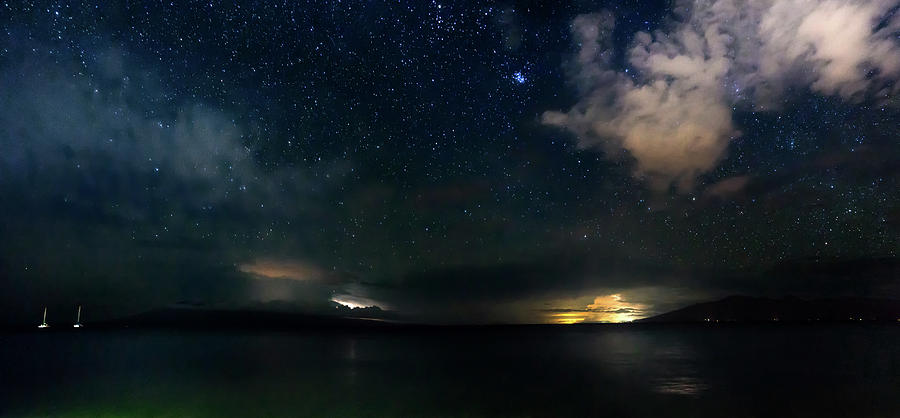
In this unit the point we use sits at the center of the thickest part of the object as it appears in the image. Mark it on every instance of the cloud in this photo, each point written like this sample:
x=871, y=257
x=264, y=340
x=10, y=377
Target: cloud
x=72, y=121
x=111, y=138
x=727, y=187
x=356, y=302
x=303, y=283
x=114, y=181
x=837, y=47
x=307, y=285
x=116, y=140
x=607, y=308
x=568, y=282
x=284, y=269
x=515, y=291
x=671, y=108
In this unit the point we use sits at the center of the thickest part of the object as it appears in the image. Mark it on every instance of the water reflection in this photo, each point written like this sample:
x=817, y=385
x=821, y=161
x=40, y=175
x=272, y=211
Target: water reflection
x=653, y=361
x=680, y=385
x=606, y=371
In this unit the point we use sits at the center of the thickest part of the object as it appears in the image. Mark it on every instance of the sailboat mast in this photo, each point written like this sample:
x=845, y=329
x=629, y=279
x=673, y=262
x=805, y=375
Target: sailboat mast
x=44, y=321
x=77, y=317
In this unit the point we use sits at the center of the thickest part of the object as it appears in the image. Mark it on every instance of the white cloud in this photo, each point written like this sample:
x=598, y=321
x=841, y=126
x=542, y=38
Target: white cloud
x=839, y=47
x=672, y=111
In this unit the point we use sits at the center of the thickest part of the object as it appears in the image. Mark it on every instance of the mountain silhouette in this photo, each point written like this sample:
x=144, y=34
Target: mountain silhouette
x=746, y=308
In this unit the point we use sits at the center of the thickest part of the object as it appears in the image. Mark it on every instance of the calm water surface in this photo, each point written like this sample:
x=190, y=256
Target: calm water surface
x=687, y=371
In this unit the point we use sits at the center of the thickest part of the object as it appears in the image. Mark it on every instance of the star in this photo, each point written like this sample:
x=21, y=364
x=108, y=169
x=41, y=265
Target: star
x=519, y=77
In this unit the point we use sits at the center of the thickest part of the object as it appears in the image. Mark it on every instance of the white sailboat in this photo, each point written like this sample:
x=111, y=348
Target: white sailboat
x=78, y=318
x=44, y=322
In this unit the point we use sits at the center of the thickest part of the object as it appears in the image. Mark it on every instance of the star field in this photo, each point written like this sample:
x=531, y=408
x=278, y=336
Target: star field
x=162, y=145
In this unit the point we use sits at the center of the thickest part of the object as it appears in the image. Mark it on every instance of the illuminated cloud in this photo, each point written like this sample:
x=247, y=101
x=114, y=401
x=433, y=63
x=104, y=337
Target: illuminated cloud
x=283, y=269
x=608, y=308
x=356, y=302
x=305, y=284
x=671, y=108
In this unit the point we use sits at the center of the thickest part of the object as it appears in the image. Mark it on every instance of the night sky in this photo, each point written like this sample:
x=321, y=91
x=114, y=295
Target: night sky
x=446, y=161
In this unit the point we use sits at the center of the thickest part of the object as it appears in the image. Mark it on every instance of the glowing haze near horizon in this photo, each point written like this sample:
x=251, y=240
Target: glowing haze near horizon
x=447, y=162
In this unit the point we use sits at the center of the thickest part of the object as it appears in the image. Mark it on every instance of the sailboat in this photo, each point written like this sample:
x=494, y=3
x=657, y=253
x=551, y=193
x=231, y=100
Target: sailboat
x=78, y=318
x=44, y=323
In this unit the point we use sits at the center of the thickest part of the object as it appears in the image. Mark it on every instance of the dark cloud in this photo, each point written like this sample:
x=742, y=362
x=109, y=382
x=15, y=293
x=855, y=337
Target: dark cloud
x=861, y=162
x=437, y=293
x=131, y=198
x=727, y=188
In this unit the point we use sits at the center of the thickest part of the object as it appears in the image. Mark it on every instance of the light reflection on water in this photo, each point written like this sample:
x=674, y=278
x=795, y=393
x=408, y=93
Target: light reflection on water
x=669, y=368
x=680, y=385
x=588, y=371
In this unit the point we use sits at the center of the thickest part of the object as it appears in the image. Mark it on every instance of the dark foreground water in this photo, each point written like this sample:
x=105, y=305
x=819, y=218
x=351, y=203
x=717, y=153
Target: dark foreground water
x=686, y=371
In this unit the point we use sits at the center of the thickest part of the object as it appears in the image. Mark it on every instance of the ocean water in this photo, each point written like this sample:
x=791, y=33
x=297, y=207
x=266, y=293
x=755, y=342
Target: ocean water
x=834, y=370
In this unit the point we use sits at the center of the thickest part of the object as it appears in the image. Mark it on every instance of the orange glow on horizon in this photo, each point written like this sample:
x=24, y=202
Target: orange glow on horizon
x=569, y=318
x=610, y=308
